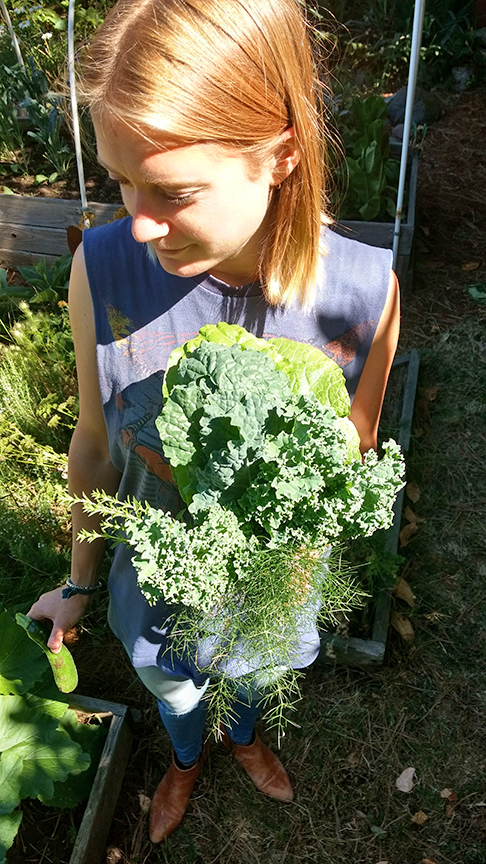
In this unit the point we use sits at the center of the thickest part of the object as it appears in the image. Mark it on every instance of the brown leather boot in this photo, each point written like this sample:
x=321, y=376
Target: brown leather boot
x=263, y=767
x=171, y=799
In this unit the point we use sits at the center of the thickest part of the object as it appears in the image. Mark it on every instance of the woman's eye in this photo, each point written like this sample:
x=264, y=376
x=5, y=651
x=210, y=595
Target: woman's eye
x=178, y=200
x=119, y=180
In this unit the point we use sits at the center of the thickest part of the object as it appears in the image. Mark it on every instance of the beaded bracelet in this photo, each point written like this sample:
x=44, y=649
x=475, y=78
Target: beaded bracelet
x=73, y=589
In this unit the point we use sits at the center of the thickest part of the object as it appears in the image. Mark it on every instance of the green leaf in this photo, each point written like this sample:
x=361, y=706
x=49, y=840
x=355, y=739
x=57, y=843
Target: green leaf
x=21, y=662
x=27, y=719
x=36, y=765
x=477, y=292
x=221, y=334
x=214, y=420
x=369, y=157
x=10, y=781
x=309, y=370
x=9, y=825
x=77, y=787
x=371, y=209
x=48, y=295
x=16, y=292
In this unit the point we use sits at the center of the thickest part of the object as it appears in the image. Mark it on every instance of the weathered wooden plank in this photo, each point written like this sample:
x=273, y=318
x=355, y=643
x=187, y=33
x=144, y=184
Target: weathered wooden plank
x=96, y=706
x=21, y=258
x=366, y=652
x=33, y=228
x=49, y=212
x=32, y=239
x=377, y=234
x=409, y=394
x=350, y=652
x=383, y=605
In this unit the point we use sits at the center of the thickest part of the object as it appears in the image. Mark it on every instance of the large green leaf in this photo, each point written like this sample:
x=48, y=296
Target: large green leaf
x=221, y=334
x=9, y=825
x=77, y=787
x=41, y=765
x=214, y=421
x=36, y=750
x=25, y=720
x=10, y=779
x=311, y=371
x=21, y=662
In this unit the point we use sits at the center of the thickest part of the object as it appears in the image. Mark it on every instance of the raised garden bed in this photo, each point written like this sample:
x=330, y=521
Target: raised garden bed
x=31, y=228
x=92, y=834
x=381, y=233
x=396, y=422
x=93, y=831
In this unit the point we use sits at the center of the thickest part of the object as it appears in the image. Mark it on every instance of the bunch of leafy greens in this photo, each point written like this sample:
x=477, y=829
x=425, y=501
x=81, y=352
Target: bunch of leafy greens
x=45, y=752
x=270, y=471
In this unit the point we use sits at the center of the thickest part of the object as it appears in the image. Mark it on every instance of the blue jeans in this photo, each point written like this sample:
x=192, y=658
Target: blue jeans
x=183, y=712
x=186, y=731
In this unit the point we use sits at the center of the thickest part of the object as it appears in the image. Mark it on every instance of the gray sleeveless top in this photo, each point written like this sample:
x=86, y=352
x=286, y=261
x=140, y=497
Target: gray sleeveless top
x=141, y=314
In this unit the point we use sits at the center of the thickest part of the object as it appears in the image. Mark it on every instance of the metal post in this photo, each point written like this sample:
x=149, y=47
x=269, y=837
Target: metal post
x=74, y=108
x=418, y=23
x=13, y=37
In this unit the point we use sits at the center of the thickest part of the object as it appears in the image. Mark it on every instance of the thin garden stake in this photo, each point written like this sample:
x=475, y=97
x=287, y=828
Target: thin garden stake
x=74, y=110
x=12, y=34
x=418, y=23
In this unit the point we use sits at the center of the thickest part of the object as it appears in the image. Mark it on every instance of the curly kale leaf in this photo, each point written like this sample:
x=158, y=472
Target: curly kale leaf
x=222, y=404
x=307, y=489
x=192, y=565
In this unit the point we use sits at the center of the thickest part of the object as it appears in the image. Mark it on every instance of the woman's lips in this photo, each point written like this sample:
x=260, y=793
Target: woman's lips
x=171, y=251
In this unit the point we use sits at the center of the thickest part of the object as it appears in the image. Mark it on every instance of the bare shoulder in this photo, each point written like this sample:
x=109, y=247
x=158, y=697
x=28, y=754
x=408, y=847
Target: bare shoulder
x=80, y=304
x=91, y=419
x=367, y=403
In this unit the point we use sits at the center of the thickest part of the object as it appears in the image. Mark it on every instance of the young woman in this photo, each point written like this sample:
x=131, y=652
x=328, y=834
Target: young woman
x=206, y=113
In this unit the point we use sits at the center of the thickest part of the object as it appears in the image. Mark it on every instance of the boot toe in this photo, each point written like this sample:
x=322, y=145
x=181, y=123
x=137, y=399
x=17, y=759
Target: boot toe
x=170, y=800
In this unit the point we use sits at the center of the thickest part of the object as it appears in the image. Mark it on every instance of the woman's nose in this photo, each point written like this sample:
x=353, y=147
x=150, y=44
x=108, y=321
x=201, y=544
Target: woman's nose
x=147, y=225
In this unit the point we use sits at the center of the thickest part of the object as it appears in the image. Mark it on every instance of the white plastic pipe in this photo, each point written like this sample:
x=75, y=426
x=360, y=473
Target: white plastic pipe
x=418, y=23
x=74, y=109
x=12, y=34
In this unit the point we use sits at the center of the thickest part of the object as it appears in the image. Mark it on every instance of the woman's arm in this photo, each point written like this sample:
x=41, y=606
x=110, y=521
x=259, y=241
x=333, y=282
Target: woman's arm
x=366, y=407
x=89, y=465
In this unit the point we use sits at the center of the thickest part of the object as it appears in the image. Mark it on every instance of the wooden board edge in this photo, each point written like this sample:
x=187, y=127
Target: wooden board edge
x=95, y=826
x=350, y=652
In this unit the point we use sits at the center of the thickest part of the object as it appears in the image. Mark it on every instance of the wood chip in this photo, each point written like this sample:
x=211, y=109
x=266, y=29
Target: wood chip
x=413, y=492
x=407, y=533
x=403, y=626
x=404, y=782
x=429, y=393
x=420, y=818
x=403, y=591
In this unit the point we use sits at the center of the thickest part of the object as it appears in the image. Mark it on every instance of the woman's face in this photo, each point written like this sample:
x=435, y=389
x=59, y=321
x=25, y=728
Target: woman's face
x=198, y=206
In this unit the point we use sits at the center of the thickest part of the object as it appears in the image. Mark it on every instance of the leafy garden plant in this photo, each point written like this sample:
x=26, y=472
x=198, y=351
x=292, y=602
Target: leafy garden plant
x=45, y=752
x=367, y=180
x=270, y=472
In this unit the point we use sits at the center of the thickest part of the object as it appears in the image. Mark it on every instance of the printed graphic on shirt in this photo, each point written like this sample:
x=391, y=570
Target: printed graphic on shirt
x=343, y=349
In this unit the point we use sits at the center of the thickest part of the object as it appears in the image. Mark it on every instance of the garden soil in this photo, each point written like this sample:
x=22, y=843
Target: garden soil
x=356, y=731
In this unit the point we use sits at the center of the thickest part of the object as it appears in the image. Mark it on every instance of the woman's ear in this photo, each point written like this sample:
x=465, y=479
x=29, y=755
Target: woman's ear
x=287, y=157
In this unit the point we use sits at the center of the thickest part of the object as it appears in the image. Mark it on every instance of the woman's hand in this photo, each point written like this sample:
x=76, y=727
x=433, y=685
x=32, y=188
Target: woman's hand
x=64, y=614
